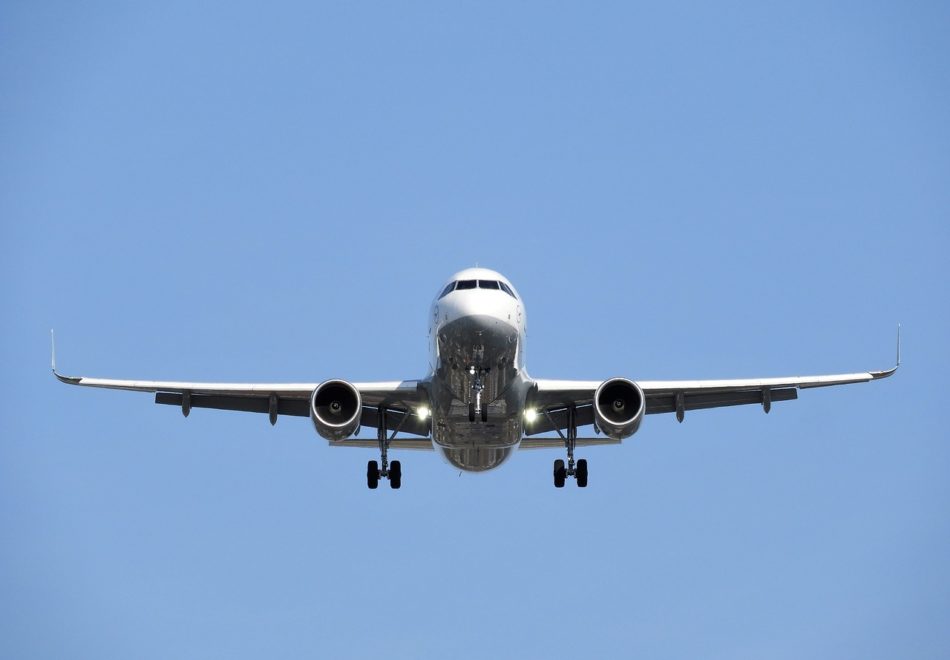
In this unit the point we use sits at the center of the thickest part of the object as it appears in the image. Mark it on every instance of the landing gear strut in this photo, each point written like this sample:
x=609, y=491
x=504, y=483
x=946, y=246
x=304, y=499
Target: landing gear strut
x=475, y=407
x=577, y=470
x=391, y=471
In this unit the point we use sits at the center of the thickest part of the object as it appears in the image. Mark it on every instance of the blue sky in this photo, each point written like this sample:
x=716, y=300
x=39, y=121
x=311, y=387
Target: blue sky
x=231, y=191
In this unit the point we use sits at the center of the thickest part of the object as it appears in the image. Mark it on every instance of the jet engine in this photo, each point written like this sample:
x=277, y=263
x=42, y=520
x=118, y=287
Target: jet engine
x=335, y=408
x=619, y=405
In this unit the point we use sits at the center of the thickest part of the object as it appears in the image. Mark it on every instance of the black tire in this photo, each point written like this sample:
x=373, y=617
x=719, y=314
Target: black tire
x=580, y=475
x=395, y=475
x=484, y=413
x=471, y=411
x=372, y=475
x=560, y=473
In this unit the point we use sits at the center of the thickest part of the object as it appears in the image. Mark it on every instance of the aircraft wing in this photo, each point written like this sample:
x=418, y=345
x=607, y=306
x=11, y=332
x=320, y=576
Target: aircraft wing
x=679, y=396
x=400, y=398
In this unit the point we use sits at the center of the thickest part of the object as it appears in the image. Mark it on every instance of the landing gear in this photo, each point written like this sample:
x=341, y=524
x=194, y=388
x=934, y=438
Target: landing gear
x=395, y=474
x=391, y=471
x=580, y=473
x=577, y=470
x=475, y=407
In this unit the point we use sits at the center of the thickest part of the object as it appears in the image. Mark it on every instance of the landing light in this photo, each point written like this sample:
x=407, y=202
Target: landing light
x=422, y=412
x=530, y=415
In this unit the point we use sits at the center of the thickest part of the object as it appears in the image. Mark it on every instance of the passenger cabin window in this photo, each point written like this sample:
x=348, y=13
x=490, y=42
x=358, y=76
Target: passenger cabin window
x=447, y=290
x=487, y=284
x=466, y=284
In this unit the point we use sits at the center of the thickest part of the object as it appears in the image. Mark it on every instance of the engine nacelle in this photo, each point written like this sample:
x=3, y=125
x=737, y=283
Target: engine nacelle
x=335, y=408
x=619, y=405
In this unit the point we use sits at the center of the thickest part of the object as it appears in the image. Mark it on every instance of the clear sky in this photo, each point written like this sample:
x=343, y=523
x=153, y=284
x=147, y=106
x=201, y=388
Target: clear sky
x=276, y=191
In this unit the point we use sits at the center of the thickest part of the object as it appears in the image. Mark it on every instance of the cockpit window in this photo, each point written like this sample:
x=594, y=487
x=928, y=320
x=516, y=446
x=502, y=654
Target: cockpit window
x=461, y=285
x=447, y=290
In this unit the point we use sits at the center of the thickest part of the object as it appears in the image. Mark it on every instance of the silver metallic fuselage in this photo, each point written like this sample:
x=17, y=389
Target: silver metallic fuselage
x=481, y=331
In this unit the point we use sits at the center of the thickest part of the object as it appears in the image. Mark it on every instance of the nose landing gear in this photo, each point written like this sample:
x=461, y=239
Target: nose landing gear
x=475, y=407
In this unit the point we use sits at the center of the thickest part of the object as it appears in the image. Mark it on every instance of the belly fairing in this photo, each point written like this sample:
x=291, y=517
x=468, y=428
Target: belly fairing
x=476, y=458
x=478, y=446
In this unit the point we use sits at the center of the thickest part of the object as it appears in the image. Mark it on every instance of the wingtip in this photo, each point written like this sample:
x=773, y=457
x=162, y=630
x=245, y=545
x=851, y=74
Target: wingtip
x=885, y=373
x=897, y=363
x=70, y=380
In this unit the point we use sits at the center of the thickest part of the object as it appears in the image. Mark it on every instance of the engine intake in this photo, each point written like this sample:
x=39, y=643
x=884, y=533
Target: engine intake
x=335, y=408
x=619, y=405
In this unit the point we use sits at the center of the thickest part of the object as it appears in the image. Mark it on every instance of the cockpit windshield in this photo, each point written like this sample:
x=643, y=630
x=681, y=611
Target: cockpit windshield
x=460, y=285
x=447, y=290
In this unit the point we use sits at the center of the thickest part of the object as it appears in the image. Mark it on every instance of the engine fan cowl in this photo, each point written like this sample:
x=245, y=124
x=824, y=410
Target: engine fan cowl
x=335, y=408
x=619, y=405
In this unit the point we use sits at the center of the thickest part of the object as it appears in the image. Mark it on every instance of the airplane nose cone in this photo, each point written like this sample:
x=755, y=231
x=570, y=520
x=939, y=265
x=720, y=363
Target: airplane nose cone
x=455, y=307
x=477, y=302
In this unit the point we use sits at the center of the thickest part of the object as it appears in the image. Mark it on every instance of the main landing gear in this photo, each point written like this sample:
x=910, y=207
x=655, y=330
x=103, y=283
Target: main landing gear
x=391, y=471
x=475, y=407
x=577, y=470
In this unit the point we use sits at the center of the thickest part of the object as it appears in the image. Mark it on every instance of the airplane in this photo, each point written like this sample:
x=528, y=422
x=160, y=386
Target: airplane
x=477, y=405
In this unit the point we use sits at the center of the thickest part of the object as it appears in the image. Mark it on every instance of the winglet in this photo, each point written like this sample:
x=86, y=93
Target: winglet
x=898, y=345
x=65, y=379
x=890, y=372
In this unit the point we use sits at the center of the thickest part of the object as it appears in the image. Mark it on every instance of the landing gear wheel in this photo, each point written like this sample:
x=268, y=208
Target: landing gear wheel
x=372, y=474
x=580, y=473
x=471, y=411
x=560, y=473
x=484, y=413
x=395, y=475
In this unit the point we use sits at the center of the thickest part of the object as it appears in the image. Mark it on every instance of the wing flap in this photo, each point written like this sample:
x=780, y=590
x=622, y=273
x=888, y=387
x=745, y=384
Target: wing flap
x=405, y=422
x=666, y=403
x=417, y=444
x=662, y=402
x=558, y=443
x=256, y=404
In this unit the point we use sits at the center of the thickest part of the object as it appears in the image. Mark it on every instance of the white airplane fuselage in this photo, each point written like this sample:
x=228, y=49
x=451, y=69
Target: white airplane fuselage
x=476, y=338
